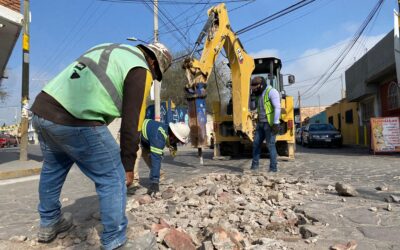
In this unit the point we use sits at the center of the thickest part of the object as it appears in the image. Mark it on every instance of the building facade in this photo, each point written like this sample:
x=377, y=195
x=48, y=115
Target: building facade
x=10, y=27
x=371, y=82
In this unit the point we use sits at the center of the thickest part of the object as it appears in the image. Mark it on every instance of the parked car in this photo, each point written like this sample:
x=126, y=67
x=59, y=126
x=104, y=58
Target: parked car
x=299, y=135
x=321, y=134
x=8, y=141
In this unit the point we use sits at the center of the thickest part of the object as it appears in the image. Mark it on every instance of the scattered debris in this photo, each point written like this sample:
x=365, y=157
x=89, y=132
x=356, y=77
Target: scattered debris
x=19, y=238
x=395, y=198
x=373, y=209
x=351, y=245
x=345, y=189
x=382, y=188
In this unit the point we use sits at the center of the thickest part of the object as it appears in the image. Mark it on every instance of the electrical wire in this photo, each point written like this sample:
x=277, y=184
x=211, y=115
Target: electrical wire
x=63, y=45
x=276, y=15
x=288, y=22
x=263, y=21
x=173, y=2
x=333, y=67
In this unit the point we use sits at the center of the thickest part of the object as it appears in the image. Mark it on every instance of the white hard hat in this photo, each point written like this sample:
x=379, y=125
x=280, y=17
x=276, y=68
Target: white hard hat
x=161, y=52
x=181, y=131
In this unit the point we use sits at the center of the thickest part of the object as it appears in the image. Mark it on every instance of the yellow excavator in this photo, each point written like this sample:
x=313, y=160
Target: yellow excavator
x=234, y=124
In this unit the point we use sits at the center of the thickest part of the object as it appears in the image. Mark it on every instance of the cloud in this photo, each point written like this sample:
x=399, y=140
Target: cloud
x=314, y=62
x=350, y=27
x=265, y=53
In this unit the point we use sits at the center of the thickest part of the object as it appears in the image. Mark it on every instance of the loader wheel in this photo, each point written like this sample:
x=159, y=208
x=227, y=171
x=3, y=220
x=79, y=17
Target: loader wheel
x=282, y=148
x=229, y=148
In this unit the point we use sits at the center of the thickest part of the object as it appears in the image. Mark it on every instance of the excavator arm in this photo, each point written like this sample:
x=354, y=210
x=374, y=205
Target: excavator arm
x=218, y=35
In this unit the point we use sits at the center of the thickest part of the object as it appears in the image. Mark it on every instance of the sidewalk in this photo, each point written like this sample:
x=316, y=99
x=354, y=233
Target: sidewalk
x=12, y=167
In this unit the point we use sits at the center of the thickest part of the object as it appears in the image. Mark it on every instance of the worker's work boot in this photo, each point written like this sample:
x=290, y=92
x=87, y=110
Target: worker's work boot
x=47, y=234
x=153, y=189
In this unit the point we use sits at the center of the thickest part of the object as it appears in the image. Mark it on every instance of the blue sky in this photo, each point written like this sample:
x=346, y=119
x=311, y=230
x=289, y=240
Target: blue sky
x=307, y=40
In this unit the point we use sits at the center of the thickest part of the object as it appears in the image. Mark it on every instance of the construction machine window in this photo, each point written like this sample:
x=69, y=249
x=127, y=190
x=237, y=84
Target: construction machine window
x=271, y=80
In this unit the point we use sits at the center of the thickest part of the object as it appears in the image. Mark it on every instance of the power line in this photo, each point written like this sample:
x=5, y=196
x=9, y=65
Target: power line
x=263, y=21
x=276, y=15
x=324, y=78
x=290, y=21
x=173, y=2
x=63, y=45
x=163, y=15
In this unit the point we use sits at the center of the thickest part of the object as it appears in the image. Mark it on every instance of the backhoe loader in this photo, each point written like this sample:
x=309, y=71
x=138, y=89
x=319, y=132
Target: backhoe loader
x=233, y=125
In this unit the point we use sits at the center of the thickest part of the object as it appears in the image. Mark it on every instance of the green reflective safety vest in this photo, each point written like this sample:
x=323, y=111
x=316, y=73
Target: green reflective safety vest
x=269, y=109
x=91, y=87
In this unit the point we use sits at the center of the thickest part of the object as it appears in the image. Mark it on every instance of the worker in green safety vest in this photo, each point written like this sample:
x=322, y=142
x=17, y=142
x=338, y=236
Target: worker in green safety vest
x=71, y=115
x=268, y=104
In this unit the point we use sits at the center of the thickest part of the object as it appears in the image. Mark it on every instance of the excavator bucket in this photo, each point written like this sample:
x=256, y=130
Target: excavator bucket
x=196, y=97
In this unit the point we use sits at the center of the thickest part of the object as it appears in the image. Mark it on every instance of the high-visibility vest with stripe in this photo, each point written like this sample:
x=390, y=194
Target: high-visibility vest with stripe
x=91, y=88
x=269, y=109
x=150, y=132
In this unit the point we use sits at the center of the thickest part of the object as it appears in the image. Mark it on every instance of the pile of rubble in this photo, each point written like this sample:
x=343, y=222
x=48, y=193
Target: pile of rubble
x=221, y=211
x=217, y=211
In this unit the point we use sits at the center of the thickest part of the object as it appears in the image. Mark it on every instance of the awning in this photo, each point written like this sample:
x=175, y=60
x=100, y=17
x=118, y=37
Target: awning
x=10, y=27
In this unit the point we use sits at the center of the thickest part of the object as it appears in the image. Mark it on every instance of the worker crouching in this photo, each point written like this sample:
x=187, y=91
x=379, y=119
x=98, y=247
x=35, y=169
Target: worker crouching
x=154, y=138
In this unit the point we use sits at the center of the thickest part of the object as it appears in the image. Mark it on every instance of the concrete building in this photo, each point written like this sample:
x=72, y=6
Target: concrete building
x=372, y=83
x=344, y=117
x=10, y=28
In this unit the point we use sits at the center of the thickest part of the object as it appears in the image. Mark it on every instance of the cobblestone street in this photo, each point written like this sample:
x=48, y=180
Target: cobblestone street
x=372, y=218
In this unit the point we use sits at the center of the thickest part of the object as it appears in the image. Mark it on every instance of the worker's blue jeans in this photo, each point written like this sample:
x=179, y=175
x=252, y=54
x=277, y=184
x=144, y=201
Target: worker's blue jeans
x=97, y=155
x=264, y=132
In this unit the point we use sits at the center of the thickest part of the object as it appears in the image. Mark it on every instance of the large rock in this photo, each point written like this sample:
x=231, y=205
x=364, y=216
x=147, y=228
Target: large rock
x=178, y=240
x=145, y=242
x=345, y=189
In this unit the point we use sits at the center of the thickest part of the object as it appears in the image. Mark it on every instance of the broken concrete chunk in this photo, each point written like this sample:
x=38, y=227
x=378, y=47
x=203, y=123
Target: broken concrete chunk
x=345, y=189
x=277, y=196
x=351, y=245
x=145, y=242
x=382, y=188
x=18, y=238
x=306, y=232
x=395, y=198
x=178, y=240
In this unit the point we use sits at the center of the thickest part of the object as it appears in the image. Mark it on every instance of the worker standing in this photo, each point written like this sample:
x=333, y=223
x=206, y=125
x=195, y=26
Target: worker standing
x=71, y=116
x=268, y=105
x=155, y=136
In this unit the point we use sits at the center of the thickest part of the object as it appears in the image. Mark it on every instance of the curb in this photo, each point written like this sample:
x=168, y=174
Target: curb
x=19, y=173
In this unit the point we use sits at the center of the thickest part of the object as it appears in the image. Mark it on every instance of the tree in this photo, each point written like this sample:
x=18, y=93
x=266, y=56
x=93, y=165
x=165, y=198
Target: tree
x=174, y=81
x=3, y=93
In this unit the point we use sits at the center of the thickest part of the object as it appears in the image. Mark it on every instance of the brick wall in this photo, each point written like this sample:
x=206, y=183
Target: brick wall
x=11, y=4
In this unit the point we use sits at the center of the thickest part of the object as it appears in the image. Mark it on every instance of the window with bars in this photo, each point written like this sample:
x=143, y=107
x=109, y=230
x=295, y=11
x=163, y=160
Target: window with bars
x=393, y=96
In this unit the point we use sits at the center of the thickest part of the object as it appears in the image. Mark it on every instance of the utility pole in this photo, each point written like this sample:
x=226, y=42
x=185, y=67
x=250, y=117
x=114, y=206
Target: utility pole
x=300, y=107
x=343, y=91
x=23, y=154
x=157, y=84
x=319, y=104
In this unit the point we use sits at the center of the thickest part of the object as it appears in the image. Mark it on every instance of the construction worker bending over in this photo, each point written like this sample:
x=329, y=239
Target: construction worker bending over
x=154, y=138
x=71, y=116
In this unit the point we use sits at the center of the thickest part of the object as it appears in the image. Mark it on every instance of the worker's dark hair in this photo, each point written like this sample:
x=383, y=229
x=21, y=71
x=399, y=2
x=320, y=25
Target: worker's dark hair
x=258, y=81
x=258, y=85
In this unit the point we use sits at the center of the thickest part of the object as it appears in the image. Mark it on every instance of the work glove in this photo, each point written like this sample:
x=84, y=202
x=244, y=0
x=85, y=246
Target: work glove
x=275, y=129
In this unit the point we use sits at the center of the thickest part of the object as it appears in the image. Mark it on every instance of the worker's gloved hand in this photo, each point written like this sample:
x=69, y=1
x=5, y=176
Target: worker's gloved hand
x=129, y=178
x=275, y=129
